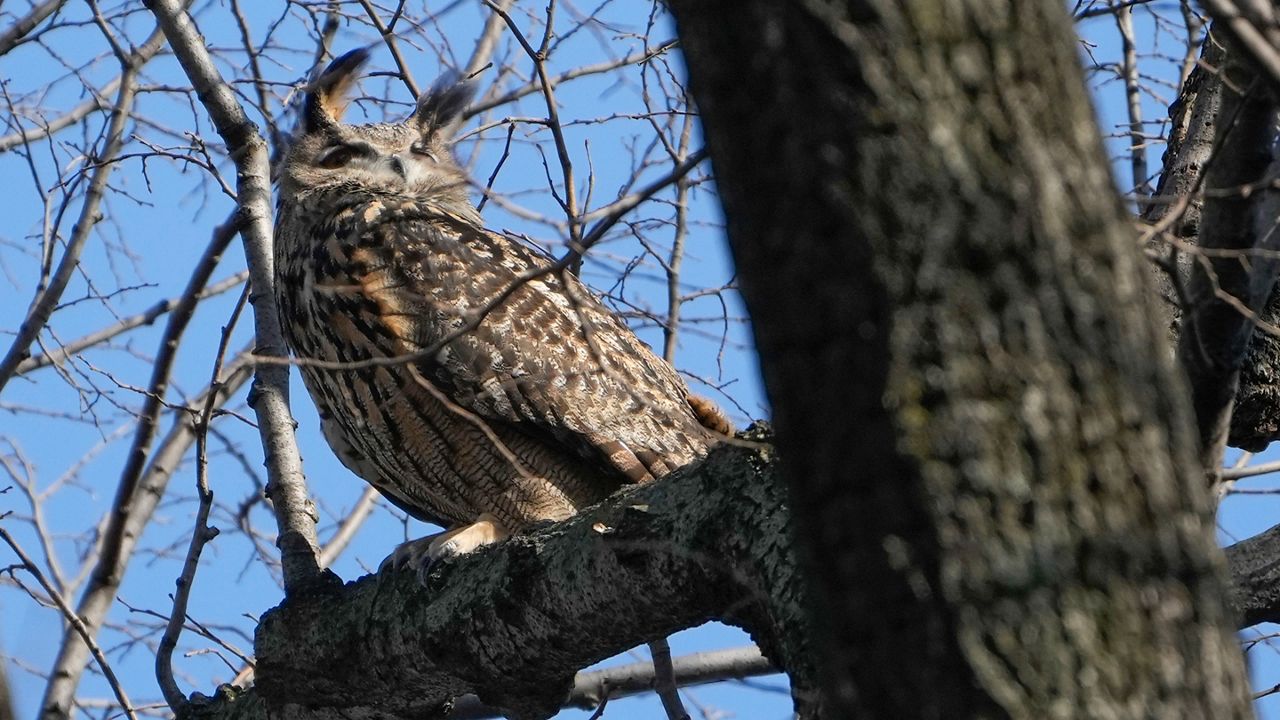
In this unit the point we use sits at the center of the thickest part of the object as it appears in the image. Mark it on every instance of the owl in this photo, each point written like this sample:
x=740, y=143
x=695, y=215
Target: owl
x=473, y=382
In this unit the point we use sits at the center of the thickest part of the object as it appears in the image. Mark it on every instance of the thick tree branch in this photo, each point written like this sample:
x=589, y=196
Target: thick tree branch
x=1255, y=578
x=1226, y=290
x=1174, y=215
x=514, y=622
x=1254, y=27
x=1173, y=211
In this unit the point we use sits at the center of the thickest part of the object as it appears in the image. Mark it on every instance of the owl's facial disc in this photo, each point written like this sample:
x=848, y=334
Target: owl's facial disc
x=411, y=168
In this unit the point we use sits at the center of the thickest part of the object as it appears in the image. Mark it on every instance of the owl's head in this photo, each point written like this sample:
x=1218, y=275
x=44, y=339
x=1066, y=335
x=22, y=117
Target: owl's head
x=413, y=158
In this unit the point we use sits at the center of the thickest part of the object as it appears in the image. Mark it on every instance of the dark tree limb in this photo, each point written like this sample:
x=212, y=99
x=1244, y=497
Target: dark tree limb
x=1254, y=28
x=1197, y=144
x=1255, y=578
x=1234, y=271
x=514, y=622
x=1172, y=213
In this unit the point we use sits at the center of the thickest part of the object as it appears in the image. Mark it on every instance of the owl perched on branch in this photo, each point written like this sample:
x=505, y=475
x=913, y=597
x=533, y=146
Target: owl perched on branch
x=473, y=382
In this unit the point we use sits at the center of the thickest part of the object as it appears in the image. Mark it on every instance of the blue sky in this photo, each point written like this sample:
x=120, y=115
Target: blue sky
x=161, y=221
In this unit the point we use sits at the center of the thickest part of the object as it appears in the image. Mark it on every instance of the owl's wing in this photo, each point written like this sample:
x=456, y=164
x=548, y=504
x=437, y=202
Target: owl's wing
x=514, y=341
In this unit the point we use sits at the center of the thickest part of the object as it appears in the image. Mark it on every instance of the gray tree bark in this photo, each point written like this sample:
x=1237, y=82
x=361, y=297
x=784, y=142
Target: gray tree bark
x=1219, y=142
x=514, y=622
x=987, y=447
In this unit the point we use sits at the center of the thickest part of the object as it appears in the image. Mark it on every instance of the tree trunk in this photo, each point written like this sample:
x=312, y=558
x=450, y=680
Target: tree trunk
x=989, y=453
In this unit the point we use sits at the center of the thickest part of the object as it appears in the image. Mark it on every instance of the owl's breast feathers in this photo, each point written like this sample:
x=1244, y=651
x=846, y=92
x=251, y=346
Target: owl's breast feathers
x=504, y=351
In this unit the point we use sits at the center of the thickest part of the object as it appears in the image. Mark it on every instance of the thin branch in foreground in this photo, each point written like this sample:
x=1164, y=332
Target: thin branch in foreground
x=664, y=680
x=146, y=317
x=202, y=533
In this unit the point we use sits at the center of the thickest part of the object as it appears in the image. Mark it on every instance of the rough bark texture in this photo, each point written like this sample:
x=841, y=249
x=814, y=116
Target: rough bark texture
x=513, y=623
x=1226, y=288
x=1255, y=421
x=1255, y=576
x=1199, y=132
x=1176, y=205
x=990, y=455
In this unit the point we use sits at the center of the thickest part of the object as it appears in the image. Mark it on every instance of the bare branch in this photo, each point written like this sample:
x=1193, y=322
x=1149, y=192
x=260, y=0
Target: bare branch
x=10, y=38
x=75, y=622
x=1133, y=96
x=202, y=533
x=591, y=689
x=270, y=397
x=146, y=317
x=47, y=297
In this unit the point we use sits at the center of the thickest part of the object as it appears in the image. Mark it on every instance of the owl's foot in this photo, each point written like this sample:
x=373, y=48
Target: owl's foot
x=462, y=540
x=425, y=551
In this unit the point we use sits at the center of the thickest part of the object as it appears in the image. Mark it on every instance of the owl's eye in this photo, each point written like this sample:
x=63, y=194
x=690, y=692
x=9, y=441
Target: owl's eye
x=423, y=150
x=337, y=156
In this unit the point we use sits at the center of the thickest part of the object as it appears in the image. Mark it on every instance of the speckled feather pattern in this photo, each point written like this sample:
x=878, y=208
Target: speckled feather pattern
x=549, y=404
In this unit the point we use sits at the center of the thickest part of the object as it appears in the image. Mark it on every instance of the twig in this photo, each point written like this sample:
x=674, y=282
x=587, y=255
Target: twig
x=126, y=324
x=539, y=58
x=613, y=212
x=202, y=533
x=76, y=623
x=486, y=43
x=596, y=69
x=389, y=38
x=664, y=680
x=47, y=297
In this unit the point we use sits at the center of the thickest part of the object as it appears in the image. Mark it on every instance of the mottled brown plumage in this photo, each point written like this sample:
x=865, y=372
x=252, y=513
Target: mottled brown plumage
x=525, y=398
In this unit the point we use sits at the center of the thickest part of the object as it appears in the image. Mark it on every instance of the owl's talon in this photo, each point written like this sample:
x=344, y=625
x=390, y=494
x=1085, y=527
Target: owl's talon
x=461, y=540
x=423, y=553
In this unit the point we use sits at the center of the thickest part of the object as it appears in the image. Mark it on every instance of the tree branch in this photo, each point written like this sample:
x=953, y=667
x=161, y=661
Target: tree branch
x=591, y=688
x=1215, y=333
x=513, y=623
x=109, y=567
x=286, y=487
x=1253, y=26
x=10, y=38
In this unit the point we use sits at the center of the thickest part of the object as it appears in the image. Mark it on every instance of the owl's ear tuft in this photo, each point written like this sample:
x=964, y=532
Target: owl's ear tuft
x=439, y=111
x=327, y=97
